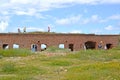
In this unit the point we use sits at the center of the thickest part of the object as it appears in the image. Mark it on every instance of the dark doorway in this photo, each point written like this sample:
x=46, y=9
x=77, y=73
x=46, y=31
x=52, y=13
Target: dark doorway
x=5, y=46
x=109, y=46
x=71, y=47
x=90, y=45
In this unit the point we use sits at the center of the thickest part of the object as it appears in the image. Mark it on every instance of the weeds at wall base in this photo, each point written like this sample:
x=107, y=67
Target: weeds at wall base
x=15, y=52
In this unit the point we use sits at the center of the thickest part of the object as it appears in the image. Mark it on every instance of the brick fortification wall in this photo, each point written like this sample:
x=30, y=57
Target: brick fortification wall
x=72, y=41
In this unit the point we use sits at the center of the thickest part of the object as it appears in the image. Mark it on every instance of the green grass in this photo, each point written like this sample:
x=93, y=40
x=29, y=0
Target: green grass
x=14, y=52
x=60, y=63
x=54, y=49
x=8, y=68
x=81, y=65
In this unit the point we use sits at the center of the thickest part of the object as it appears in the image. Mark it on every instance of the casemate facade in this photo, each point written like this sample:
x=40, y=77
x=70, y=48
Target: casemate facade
x=74, y=42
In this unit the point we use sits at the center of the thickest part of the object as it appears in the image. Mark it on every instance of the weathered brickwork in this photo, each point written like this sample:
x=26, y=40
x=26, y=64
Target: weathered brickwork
x=73, y=42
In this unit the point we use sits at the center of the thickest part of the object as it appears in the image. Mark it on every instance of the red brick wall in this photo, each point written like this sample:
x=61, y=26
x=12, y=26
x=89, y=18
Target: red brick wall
x=25, y=40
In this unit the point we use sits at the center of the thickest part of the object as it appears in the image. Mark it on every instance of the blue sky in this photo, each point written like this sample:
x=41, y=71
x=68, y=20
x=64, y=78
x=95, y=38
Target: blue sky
x=63, y=16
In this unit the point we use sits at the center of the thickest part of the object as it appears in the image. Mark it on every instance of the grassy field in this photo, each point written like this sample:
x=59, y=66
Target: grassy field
x=60, y=65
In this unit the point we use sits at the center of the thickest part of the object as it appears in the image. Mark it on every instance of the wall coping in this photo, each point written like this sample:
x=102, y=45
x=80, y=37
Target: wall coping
x=65, y=34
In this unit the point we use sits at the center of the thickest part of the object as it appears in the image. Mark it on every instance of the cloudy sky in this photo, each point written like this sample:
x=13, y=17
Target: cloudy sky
x=63, y=16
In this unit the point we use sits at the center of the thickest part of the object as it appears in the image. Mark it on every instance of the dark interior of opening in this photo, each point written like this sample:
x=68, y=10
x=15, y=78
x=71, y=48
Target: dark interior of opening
x=5, y=46
x=109, y=46
x=71, y=47
x=90, y=45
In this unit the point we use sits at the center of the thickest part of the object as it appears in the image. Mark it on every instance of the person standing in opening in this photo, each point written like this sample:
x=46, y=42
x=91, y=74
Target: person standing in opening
x=24, y=30
x=100, y=45
x=35, y=47
x=19, y=30
x=105, y=47
x=48, y=29
x=84, y=47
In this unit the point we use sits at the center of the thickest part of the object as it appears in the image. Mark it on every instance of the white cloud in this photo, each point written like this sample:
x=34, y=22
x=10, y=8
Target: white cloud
x=29, y=12
x=20, y=1
x=4, y=22
x=114, y=17
x=93, y=19
x=4, y=18
x=58, y=2
x=109, y=27
x=34, y=29
x=110, y=1
x=76, y=31
x=3, y=26
x=97, y=31
x=24, y=6
x=68, y=20
x=83, y=20
x=63, y=21
x=4, y=12
x=99, y=19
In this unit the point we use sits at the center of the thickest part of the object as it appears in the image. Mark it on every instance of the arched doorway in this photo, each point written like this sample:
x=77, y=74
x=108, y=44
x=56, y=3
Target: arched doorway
x=5, y=46
x=34, y=47
x=43, y=47
x=90, y=45
x=71, y=47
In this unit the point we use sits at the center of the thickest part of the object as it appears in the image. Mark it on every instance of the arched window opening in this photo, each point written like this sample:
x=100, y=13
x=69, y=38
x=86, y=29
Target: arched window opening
x=15, y=46
x=34, y=47
x=61, y=46
x=43, y=47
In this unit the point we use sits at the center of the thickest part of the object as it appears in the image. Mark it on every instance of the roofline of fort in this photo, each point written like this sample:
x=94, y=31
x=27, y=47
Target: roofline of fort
x=59, y=34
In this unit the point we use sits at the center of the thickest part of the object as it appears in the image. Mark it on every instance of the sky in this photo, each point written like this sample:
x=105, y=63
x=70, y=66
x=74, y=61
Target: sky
x=62, y=16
